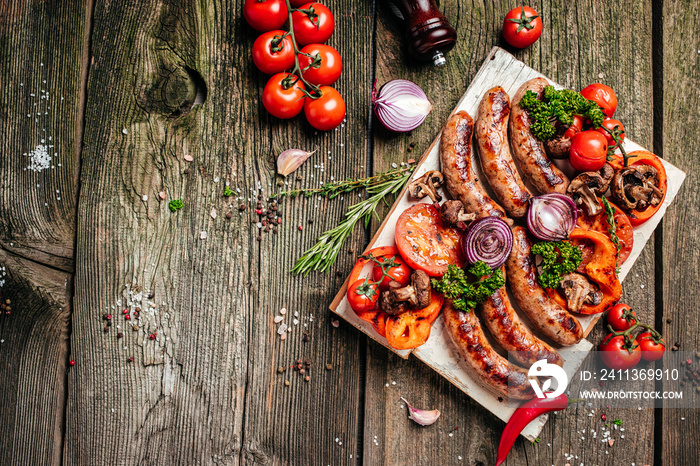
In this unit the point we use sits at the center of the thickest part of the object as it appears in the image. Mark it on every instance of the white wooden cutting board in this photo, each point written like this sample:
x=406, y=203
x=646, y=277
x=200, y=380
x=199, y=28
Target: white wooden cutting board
x=499, y=69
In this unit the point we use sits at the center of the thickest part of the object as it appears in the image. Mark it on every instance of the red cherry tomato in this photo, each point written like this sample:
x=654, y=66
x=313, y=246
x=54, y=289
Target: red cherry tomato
x=327, y=111
x=651, y=350
x=400, y=273
x=589, y=151
x=265, y=15
x=616, y=356
x=314, y=26
x=362, y=297
x=603, y=95
x=282, y=98
x=272, y=53
x=325, y=66
x=522, y=27
x=612, y=125
x=621, y=317
x=575, y=127
x=425, y=243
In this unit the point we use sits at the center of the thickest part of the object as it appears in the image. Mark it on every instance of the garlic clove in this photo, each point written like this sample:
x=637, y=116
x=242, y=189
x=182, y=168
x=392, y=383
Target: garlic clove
x=290, y=160
x=421, y=416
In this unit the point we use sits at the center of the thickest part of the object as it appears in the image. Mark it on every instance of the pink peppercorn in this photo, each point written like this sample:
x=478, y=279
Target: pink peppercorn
x=127, y=317
x=71, y=362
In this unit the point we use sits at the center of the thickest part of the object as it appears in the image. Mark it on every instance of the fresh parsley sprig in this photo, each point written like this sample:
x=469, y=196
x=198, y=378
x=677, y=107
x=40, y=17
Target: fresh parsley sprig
x=558, y=105
x=558, y=258
x=466, y=296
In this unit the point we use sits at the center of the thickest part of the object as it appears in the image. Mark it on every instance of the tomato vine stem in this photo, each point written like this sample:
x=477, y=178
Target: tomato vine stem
x=314, y=91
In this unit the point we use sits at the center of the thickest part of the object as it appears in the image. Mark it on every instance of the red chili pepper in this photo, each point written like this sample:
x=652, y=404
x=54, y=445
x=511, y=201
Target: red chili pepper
x=522, y=417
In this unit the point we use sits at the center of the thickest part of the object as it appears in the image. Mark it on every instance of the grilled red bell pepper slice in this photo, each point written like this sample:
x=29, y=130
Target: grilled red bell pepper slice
x=600, y=269
x=643, y=157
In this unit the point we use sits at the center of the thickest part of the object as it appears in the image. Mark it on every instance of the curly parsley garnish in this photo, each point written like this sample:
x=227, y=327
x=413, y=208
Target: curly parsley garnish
x=464, y=295
x=560, y=106
x=558, y=258
x=176, y=205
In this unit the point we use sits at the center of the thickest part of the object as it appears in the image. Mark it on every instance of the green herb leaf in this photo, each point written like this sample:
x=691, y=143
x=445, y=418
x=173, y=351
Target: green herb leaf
x=227, y=191
x=612, y=227
x=466, y=296
x=558, y=258
x=617, y=422
x=176, y=204
x=558, y=105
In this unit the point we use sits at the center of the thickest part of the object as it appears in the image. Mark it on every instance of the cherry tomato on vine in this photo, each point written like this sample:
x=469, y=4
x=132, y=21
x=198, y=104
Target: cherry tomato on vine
x=589, y=151
x=575, y=127
x=265, y=15
x=621, y=317
x=273, y=52
x=603, y=95
x=616, y=356
x=651, y=350
x=362, y=297
x=313, y=26
x=327, y=111
x=400, y=273
x=325, y=66
x=522, y=27
x=612, y=125
x=282, y=98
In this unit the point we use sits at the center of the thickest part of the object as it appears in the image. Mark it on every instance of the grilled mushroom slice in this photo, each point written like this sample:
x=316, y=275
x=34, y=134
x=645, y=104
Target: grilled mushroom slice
x=414, y=296
x=579, y=291
x=452, y=213
x=427, y=185
x=634, y=188
x=587, y=186
x=558, y=147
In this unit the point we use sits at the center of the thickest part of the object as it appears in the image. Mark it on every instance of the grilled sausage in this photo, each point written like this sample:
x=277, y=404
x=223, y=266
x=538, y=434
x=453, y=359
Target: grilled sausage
x=509, y=331
x=550, y=318
x=495, y=371
x=528, y=151
x=497, y=164
x=455, y=156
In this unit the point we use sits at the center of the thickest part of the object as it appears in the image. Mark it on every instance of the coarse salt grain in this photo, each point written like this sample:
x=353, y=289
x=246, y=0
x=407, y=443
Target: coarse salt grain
x=282, y=328
x=283, y=311
x=203, y=235
x=145, y=198
x=213, y=213
x=124, y=131
x=188, y=158
x=39, y=159
x=278, y=319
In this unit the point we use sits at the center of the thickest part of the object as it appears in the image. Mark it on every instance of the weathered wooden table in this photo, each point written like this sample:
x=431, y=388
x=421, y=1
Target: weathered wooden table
x=108, y=89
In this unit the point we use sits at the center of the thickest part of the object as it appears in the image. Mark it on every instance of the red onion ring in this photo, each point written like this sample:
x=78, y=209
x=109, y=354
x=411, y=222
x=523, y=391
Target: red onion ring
x=551, y=217
x=488, y=239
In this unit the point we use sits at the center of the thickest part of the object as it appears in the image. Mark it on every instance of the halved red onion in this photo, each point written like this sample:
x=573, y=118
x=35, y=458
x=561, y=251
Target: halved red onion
x=488, y=239
x=551, y=217
x=400, y=105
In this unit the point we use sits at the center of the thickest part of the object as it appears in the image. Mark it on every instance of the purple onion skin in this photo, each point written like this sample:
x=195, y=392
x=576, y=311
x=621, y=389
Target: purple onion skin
x=393, y=117
x=559, y=210
x=487, y=239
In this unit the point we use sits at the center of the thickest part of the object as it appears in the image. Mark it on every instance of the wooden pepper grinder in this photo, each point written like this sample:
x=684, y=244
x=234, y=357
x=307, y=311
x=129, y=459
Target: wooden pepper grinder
x=428, y=33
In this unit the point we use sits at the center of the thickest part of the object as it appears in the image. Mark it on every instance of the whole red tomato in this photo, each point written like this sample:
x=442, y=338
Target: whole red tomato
x=621, y=317
x=362, y=296
x=651, y=349
x=324, y=65
x=265, y=15
x=616, y=355
x=603, y=95
x=273, y=52
x=283, y=95
x=400, y=273
x=315, y=25
x=589, y=151
x=327, y=111
x=522, y=27
x=612, y=125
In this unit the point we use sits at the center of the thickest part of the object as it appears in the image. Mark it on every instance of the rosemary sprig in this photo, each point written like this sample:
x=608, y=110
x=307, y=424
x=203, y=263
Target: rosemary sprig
x=336, y=188
x=321, y=256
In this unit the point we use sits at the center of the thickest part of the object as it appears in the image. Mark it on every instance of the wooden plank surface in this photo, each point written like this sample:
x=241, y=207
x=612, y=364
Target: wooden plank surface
x=42, y=65
x=206, y=388
x=679, y=58
x=585, y=65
